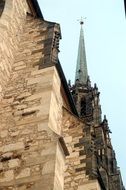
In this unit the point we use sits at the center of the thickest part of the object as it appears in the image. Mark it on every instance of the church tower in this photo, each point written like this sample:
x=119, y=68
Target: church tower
x=101, y=162
x=85, y=96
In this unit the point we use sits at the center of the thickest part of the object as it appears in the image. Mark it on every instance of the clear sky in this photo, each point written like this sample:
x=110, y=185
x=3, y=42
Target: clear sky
x=105, y=41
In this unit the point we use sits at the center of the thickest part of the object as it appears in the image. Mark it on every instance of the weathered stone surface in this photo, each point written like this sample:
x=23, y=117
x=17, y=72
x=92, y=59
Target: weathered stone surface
x=10, y=24
x=24, y=173
x=12, y=147
x=93, y=185
x=29, y=124
x=7, y=176
x=48, y=167
x=74, y=170
x=3, y=133
x=14, y=163
x=35, y=113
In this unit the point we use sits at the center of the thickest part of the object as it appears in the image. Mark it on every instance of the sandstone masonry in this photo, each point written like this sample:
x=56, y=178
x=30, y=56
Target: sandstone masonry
x=43, y=141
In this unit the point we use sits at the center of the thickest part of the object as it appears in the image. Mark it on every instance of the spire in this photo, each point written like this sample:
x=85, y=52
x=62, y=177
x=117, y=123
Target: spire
x=81, y=68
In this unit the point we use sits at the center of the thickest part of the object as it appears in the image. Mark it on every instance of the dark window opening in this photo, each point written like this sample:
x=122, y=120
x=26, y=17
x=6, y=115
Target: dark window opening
x=83, y=107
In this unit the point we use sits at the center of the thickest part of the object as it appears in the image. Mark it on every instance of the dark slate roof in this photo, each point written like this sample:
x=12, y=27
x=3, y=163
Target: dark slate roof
x=37, y=8
x=66, y=88
x=58, y=65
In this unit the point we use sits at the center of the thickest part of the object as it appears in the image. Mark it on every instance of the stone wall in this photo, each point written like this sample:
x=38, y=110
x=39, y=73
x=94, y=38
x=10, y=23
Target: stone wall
x=11, y=27
x=31, y=154
x=33, y=121
x=76, y=166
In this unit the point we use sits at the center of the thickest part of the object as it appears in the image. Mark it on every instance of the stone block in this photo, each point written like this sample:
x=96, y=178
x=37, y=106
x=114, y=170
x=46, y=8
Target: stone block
x=27, y=131
x=24, y=173
x=14, y=134
x=23, y=95
x=93, y=185
x=68, y=139
x=3, y=133
x=14, y=163
x=48, y=167
x=43, y=126
x=48, y=150
x=20, y=67
x=8, y=176
x=12, y=147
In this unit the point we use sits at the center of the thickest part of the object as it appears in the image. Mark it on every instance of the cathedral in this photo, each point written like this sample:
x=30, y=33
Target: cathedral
x=52, y=135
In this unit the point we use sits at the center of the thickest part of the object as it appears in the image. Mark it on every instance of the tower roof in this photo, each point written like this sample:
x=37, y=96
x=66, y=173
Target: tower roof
x=81, y=68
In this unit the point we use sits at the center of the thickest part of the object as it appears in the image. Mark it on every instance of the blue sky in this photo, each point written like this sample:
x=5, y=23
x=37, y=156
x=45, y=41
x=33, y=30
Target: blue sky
x=105, y=41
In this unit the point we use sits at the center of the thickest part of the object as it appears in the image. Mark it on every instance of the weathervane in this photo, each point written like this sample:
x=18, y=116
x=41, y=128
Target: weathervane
x=82, y=20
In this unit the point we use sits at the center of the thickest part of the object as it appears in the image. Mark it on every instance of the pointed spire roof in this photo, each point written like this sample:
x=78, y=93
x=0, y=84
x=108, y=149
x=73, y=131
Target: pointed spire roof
x=81, y=68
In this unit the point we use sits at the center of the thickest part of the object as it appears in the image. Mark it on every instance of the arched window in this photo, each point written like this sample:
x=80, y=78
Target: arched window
x=86, y=106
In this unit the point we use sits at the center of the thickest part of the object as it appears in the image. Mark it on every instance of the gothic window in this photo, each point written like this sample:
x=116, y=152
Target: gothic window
x=88, y=106
x=83, y=107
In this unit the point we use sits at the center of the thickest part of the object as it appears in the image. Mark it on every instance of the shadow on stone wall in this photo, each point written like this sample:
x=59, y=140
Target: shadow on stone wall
x=2, y=3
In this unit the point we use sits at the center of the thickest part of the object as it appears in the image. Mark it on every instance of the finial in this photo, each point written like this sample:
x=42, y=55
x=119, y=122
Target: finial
x=105, y=117
x=95, y=85
x=88, y=81
x=81, y=20
x=69, y=83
